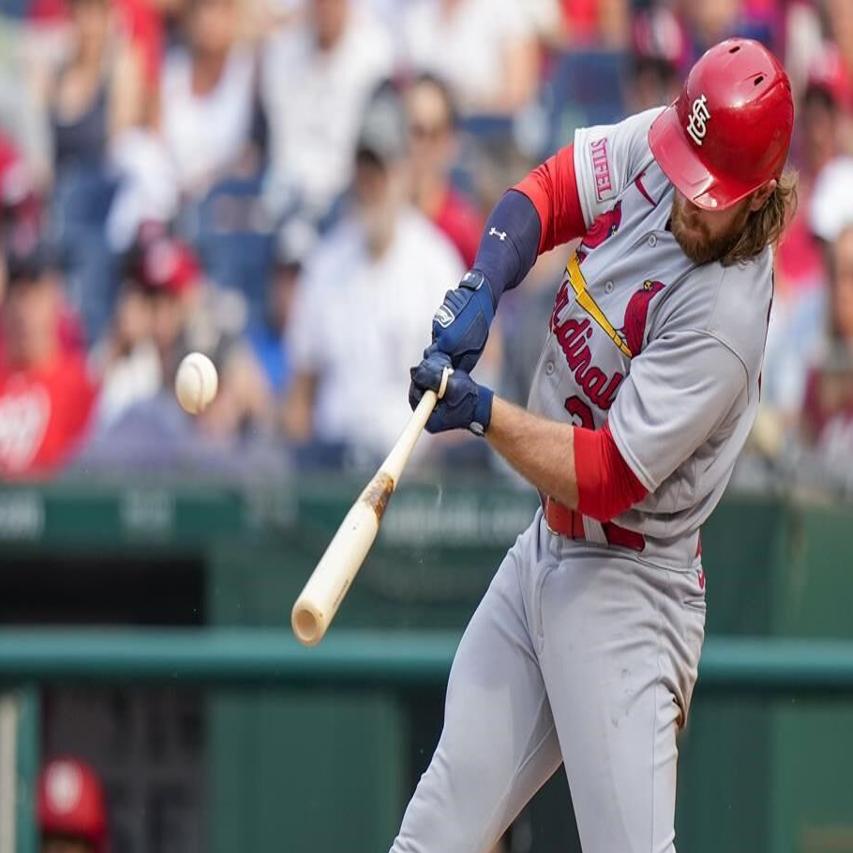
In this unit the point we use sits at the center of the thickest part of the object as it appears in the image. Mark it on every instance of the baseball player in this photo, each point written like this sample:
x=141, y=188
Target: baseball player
x=584, y=650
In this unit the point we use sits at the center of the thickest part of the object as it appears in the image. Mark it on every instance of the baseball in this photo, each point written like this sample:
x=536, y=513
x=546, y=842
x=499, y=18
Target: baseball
x=195, y=383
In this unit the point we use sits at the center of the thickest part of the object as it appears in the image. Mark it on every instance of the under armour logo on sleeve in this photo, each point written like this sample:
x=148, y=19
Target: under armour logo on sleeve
x=501, y=235
x=697, y=127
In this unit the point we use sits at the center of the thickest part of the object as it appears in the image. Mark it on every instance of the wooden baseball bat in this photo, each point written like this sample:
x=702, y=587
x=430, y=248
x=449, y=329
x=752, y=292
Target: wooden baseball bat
x=322, y=595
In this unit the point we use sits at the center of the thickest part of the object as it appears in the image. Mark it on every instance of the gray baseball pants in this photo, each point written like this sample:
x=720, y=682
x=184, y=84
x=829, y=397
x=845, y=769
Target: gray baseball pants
x=578, y=654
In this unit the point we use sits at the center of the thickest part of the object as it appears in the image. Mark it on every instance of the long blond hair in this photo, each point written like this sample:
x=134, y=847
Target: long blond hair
x=764, y=226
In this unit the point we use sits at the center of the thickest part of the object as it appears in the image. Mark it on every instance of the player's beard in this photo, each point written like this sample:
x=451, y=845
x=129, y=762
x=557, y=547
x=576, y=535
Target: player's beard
x=695, y=237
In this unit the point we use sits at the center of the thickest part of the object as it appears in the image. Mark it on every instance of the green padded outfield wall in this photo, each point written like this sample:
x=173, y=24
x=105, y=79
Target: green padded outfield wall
x=773, y=776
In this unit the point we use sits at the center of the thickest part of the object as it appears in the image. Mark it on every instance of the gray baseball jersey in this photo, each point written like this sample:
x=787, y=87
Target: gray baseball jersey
x=581, y=652
x=667, y=353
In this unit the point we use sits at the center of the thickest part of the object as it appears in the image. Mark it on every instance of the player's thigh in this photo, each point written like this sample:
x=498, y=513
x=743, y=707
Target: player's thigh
x=498, y=745
x=619, y=659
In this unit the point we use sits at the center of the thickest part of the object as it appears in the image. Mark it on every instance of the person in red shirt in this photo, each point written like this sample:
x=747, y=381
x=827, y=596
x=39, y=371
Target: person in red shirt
x=433, y=148
x=45, y=394
x=828, y=402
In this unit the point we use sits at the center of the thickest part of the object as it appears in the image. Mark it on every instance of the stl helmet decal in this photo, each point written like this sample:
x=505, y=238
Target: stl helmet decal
x=697, y=126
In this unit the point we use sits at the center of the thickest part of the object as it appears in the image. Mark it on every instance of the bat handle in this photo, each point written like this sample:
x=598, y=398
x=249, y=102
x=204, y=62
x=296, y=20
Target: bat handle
x=402, y=450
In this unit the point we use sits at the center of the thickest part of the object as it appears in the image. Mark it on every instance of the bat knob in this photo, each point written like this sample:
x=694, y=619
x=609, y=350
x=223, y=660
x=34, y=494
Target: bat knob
x=445, y=375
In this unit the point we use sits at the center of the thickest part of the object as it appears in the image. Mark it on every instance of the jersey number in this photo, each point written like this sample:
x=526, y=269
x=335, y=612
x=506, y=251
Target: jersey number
x=580, y=412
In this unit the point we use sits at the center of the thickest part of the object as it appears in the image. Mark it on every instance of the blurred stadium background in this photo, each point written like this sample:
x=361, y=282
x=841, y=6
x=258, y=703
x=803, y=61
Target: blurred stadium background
x=290, y=186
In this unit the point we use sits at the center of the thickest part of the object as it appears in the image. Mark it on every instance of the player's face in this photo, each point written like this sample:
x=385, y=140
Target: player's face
x=708, y=235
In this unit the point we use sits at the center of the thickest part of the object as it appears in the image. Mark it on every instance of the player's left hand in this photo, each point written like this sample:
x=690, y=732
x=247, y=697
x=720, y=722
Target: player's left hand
x=465, y=404
x=460, y=327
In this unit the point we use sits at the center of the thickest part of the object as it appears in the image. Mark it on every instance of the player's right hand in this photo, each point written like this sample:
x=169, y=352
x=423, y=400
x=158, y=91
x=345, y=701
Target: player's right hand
x=460, y=327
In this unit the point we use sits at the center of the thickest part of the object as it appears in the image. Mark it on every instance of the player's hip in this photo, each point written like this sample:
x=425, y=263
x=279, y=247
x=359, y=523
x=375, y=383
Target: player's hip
x=590, y=583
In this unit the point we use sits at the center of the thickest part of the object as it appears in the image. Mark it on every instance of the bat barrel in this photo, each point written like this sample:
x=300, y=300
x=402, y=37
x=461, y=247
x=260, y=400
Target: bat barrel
x=319, y=600
x=307, y=623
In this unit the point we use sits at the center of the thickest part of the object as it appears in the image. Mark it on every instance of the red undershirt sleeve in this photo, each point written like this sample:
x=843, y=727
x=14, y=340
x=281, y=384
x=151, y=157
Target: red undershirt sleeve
x=553, y=190
x=606, y=484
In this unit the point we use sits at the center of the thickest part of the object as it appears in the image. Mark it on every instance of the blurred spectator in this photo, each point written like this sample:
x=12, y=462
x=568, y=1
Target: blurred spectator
x=797, y=320
x=91, y=99
x=317, y=77
x=234, y=235
x=485, y=49
x=546, y=19
x=710, y=21
x=128, y=360
x=433, y=143
x=658, y=47
x=208, y=96
x=799, y=260
x=362, y=313
x=144, y=23
x=19, y=203
x=828, y=405
x=839, y=19
x=166, y=311
x=170, y=276
x=825, y=100
x=269, y=339
x=831, y=206
x=72, y=814
x=595, y=23
x=45, y=394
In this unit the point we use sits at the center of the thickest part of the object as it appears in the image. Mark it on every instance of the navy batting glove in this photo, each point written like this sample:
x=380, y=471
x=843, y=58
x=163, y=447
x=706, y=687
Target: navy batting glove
x=460, y=327
x=465, y=404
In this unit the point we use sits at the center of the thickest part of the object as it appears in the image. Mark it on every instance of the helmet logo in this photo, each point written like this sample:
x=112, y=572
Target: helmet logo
x=697, y=127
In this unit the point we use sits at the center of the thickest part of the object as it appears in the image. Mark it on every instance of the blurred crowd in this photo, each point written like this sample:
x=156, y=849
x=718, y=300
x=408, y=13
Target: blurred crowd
x=291, y=185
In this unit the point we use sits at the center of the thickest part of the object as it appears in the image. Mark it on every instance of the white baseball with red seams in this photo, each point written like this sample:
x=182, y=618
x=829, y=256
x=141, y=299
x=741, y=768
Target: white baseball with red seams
x=196, y=383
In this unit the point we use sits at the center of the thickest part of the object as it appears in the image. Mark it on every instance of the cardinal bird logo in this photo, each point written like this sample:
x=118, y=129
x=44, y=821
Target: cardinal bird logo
x=605, y=225
x=636, y=314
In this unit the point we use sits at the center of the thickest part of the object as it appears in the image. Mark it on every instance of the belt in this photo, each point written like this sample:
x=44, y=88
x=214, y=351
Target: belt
x=562, y=521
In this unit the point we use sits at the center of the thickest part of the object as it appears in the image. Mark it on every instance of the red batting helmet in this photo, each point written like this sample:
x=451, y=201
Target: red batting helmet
x=71, y=802
x=730, y=128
